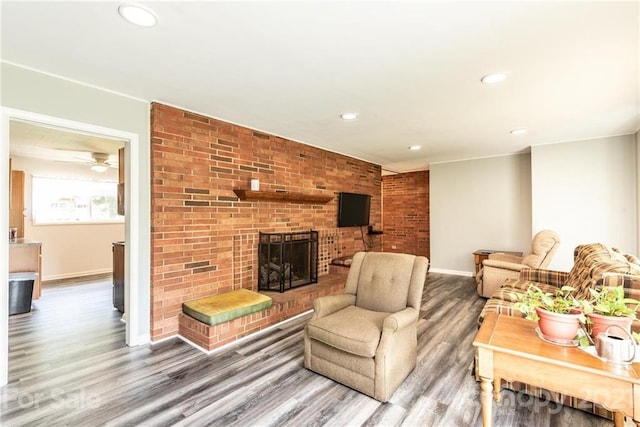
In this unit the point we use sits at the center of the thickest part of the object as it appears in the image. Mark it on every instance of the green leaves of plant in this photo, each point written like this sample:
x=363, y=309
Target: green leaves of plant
x=610, y=301
x=560, y=301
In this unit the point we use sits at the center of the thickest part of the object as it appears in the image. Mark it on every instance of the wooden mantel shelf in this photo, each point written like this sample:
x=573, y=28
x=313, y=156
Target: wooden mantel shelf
x=277, y=196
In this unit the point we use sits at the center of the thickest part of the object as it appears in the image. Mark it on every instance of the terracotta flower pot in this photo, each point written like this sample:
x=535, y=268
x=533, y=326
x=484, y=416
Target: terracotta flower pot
x=558, y=326
x=601, y=322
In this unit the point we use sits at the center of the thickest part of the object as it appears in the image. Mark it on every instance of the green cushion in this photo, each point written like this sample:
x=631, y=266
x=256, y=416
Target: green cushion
x=226, y=306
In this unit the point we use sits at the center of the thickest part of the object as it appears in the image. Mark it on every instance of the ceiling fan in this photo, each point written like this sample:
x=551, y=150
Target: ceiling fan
x=101, y=162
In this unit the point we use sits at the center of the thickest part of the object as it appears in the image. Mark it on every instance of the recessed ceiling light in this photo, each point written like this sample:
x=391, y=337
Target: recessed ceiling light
x=137, y=15
x=349, y=116
x=493, y=78
x=415, y=147
x=518, y=132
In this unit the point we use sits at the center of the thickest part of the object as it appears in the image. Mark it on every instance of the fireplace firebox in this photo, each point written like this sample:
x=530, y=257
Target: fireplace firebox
x=287, y=260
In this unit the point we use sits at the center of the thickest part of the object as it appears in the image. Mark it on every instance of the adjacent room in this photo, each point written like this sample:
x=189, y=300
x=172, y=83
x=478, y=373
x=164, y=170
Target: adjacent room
x=320, y=213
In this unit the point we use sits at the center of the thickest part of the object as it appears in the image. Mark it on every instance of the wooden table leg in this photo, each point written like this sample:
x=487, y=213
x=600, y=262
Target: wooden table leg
x=497, y=388
x=486, y=398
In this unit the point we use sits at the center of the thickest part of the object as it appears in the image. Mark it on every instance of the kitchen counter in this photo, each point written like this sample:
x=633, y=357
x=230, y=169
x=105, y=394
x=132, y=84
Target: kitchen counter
x=26, y=255
x=24, y=242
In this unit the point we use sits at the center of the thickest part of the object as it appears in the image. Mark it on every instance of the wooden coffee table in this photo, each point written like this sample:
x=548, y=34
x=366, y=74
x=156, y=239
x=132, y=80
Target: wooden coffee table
x=508, y=347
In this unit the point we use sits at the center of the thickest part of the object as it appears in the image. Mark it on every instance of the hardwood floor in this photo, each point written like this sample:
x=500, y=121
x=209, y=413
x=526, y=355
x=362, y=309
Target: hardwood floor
x=68, y=365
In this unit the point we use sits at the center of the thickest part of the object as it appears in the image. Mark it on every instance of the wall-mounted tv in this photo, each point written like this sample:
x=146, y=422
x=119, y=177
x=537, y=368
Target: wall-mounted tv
x=353, y=209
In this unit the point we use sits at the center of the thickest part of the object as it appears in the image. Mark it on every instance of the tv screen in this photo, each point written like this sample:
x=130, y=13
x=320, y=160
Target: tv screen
x=353, y=209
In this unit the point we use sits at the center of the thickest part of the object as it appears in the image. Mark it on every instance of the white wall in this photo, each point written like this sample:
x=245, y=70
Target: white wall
x=69, y=250
x=586, y=191
x=478, y=204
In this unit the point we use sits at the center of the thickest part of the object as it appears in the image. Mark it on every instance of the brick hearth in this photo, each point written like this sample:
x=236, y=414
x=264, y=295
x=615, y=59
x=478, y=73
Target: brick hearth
x=285, y=305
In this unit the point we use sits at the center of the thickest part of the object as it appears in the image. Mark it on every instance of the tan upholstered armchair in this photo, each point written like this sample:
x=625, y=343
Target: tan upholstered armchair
x=500, y=267
x=366, y=338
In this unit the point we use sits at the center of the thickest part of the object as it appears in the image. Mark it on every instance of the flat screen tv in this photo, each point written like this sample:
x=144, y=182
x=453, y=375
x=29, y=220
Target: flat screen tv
x=353, y=209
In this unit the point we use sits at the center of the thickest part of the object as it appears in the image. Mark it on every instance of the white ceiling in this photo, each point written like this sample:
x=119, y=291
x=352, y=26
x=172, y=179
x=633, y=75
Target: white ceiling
x=410, y=69
x=58, y=145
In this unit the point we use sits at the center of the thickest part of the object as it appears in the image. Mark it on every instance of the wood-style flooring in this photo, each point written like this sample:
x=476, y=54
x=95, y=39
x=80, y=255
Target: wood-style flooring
x=68, y=365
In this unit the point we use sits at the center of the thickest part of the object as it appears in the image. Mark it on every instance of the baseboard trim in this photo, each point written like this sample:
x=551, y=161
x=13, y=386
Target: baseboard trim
x=452, y=272
x=77, y=274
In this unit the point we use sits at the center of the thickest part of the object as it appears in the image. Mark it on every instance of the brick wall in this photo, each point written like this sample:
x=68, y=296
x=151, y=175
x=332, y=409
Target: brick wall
x=203, y=239
x=405, y=199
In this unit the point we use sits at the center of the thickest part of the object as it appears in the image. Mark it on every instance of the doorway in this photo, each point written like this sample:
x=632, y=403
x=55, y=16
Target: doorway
x=134, y=334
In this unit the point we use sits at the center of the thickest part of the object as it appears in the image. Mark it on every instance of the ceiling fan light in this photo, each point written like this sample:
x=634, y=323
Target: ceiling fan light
x=99, y=168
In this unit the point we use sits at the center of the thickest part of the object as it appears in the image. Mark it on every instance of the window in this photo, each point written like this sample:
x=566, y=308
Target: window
x=73, y=201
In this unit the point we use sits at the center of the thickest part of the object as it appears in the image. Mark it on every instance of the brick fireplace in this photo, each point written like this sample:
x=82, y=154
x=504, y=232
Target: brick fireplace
x=204, y=238
x=287, y=260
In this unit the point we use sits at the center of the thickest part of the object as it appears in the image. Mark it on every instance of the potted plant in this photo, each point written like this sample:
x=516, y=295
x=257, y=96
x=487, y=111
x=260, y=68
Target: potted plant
x=558, y=313
x=609, y=306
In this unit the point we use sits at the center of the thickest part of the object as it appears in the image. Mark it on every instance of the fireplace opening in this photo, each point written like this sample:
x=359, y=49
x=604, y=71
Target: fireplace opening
x=287, y=260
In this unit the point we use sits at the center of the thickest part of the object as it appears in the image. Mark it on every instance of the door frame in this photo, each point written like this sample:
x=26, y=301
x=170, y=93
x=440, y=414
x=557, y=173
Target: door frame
x=133, y=333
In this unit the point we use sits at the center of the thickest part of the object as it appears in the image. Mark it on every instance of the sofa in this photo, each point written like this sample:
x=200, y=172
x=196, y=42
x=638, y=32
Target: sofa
x=595, y=265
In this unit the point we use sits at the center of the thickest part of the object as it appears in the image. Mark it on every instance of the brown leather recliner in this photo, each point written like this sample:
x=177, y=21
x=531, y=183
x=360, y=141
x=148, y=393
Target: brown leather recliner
x=500, y=267
x=366, y=338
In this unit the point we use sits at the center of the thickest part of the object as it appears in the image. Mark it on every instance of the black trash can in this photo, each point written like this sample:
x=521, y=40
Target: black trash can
x=21, y=292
